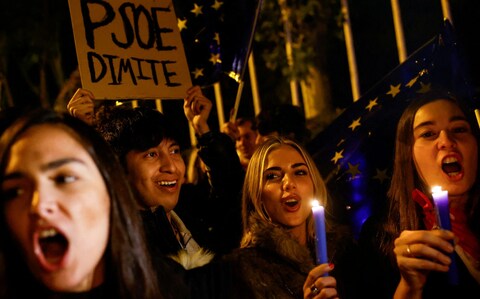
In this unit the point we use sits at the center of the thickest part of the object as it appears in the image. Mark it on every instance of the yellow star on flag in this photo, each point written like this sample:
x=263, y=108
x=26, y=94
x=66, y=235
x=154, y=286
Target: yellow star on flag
x=424, y=88
x=353, y=169
x=215, y=58
x=355, y=124
x=338, y=156
x=381, y=175
x=197, y=73
x=217, y=5
x=197, y=9
x=412, y=82
x=217, y=38
x=372, y=104
x=394, y=90
x=182, y=24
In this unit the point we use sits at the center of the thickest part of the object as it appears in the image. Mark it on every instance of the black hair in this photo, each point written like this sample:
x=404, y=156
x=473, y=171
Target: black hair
x=141, y=128
x=285, y=119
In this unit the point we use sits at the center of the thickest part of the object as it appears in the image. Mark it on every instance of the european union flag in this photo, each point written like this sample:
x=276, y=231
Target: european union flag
x=217, y=36
x=355, y=152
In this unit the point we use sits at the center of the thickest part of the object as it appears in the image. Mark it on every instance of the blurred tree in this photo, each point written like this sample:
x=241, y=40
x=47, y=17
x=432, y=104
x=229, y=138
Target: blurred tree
x=304, y=26
x=32, y=42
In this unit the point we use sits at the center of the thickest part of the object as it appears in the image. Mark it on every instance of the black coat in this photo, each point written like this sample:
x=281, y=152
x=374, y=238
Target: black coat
x=211, y=210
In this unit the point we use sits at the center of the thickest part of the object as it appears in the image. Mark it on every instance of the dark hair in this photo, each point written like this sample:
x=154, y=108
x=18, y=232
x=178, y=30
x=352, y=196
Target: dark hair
x=403, y=213
x=141, y=128
x=286, y=119
x=246, y=119
x=128, y=268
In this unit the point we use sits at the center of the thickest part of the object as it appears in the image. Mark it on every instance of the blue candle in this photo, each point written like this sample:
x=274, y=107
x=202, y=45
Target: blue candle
x=440, y=198
x=320, y=236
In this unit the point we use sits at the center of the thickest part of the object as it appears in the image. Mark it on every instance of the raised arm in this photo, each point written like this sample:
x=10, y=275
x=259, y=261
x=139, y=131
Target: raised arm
x=81, y=106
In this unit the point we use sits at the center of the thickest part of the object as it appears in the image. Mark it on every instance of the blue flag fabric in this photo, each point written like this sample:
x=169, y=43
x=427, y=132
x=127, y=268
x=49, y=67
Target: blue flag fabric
x=355, y=152
x=217, y=36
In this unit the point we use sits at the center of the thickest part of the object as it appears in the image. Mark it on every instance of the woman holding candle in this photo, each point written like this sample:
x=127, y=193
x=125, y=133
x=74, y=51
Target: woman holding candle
x=436, y=145
x=277, y=254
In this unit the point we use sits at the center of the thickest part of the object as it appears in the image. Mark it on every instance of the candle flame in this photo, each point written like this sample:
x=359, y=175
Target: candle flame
x=315, y=203
x=436, y=189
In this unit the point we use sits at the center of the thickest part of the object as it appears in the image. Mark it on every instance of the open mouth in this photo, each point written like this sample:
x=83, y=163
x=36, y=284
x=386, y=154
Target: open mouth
x=53, y=246
x=451, y=166
x=291, y=203
x=168, y=184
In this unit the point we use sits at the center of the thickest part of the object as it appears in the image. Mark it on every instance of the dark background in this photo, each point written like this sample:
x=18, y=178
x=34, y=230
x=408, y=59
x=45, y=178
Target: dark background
x=374, y=41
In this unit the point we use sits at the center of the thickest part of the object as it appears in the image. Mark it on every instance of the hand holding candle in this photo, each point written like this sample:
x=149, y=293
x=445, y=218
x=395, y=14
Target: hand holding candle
x=440, y=198
x=320, y=235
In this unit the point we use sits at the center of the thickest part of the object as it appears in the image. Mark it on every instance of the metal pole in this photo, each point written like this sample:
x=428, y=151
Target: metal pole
x=219, y=102
x=254, y=84
x=158, y=104
x=400, y=37
x=352, y=61
x=446, y=11
x=233, y=115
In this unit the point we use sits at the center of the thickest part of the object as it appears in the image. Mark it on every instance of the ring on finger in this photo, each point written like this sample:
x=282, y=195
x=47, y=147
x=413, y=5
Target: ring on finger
x=314, y=290
x=409, y=251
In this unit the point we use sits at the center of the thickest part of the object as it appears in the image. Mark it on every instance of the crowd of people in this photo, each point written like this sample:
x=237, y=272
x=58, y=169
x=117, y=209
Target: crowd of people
x=98, y=203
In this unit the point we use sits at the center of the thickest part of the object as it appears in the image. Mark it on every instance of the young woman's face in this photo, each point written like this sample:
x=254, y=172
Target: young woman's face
x=288, y=188
x=57, y=208
x=444, y=149
x=157, y=174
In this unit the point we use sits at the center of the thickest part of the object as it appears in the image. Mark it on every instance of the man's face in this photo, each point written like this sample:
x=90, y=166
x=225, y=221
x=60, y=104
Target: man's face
x=157, y=174
x=245, y=143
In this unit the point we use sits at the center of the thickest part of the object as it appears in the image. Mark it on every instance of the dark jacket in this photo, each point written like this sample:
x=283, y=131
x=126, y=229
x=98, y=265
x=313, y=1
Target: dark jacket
x=276, y=265
x=211, y=210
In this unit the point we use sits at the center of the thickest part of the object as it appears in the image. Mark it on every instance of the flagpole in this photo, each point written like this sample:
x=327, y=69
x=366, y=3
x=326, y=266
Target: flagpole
x=352, y=62
x=219, y=101
x=446, y=11
x=254, y=84
x=158, y=105
x=233, y=115
x=399, y=35
x=251, y=66
x=477, y=115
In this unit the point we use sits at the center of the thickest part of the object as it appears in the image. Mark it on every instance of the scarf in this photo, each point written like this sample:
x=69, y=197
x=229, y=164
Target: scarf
x=466, y=239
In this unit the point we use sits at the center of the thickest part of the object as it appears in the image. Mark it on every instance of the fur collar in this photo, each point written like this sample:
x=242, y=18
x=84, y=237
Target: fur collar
x=190, y=261
x=274, y=238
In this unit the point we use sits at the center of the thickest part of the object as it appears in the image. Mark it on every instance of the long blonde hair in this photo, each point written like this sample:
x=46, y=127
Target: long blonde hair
x=254, y=181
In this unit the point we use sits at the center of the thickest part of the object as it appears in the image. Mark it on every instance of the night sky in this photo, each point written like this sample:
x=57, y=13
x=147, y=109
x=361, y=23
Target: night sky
x=372, y=26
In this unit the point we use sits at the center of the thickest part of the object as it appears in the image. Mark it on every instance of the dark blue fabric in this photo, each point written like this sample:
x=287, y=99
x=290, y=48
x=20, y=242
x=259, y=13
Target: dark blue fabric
x=223, y=28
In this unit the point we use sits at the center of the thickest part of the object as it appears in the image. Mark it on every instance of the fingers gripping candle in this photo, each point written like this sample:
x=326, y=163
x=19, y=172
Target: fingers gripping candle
x=320, y=235
x=440, y=198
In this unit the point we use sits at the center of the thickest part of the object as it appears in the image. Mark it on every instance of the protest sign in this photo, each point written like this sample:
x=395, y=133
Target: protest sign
x=129, y=50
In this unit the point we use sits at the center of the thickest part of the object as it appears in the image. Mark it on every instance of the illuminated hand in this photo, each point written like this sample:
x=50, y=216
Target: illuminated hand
x=81, y=105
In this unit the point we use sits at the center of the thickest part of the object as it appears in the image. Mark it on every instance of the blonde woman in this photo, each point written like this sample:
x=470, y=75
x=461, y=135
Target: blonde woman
x=277, y=253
